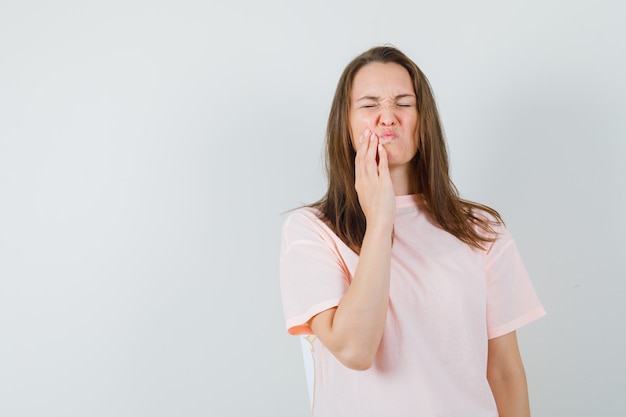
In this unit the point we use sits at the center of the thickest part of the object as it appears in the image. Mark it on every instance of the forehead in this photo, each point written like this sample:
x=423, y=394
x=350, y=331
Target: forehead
x=382, y=80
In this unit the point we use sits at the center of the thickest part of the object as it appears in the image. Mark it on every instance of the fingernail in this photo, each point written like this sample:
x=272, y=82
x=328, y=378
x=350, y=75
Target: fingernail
x=372, y=138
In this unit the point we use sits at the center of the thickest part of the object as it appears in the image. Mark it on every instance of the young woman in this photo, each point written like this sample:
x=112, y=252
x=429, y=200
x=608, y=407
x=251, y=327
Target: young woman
x=411, y=293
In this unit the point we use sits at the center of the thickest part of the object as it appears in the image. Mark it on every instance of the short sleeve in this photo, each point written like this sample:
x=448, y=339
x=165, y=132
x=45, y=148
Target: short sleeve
x=313, y=276
x=511, y=299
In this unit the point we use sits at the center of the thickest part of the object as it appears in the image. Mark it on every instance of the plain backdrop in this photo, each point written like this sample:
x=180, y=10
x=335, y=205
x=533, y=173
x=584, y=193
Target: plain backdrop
x=148, y=151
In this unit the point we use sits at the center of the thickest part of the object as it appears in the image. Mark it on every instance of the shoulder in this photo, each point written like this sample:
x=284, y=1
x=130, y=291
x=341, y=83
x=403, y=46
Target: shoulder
x=302, y=217
x=500, y=239
x=489, y=225
x=306, y=235
x=305, y=223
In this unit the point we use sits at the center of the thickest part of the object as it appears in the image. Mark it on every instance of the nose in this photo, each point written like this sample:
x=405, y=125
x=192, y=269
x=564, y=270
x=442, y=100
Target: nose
x=387, y=116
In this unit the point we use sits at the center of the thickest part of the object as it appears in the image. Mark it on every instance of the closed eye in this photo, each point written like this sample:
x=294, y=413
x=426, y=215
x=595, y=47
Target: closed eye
x=405, y=103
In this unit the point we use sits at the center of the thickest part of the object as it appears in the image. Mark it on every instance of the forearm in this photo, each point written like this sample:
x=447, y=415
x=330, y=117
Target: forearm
x=360, y=317
x=511, y=395
x=507, y=378
x=352, y=332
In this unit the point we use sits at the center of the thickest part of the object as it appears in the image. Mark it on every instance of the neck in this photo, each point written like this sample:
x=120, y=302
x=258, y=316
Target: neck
x=404, y=181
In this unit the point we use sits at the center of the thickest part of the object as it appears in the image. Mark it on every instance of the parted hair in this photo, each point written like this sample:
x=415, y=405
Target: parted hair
x=339, y=208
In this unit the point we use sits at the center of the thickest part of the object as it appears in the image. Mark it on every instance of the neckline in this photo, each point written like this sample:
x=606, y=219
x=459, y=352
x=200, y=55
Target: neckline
x=410, y=200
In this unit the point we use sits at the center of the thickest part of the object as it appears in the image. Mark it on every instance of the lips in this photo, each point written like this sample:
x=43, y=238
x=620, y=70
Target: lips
x=386, y=137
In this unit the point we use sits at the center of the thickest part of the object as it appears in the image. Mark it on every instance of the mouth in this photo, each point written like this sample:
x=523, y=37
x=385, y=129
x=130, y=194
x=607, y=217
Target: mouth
x=387, y=137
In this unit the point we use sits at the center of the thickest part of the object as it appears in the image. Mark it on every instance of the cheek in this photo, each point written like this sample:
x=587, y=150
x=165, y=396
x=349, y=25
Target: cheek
x=413, y=130
x=359, y=124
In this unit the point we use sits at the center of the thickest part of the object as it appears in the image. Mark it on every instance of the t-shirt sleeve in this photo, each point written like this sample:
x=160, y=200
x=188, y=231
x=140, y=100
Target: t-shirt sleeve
x=511, y=299
x=313, y=276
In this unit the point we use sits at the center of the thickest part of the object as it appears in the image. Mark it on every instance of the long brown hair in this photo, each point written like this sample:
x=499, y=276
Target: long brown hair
x=340, y=207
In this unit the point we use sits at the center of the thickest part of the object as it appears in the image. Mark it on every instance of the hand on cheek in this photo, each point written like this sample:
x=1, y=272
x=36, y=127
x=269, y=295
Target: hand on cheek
x=372, y=180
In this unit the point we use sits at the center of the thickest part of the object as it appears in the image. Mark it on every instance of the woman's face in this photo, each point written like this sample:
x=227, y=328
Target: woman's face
x=383, y=101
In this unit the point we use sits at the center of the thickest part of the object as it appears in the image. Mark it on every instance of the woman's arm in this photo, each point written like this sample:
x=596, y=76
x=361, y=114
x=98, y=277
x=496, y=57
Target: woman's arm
x=352, y=331
x=506, y=376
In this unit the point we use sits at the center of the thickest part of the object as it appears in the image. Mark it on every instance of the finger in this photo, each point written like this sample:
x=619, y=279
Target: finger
x=383, y=162
x=361, y=152
x=362, y=144
x=370, y=158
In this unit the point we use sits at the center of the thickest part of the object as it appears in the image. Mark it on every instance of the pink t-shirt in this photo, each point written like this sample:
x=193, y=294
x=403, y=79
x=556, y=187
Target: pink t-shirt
x=446, y=300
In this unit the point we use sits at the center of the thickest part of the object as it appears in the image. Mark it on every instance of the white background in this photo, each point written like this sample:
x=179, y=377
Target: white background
x=148, y=149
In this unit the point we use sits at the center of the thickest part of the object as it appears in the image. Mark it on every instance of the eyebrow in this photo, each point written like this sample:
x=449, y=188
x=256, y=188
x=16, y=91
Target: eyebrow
x=373, y=98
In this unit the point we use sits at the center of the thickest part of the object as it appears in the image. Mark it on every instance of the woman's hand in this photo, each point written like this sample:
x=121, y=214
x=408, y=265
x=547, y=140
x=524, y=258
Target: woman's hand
x=373, y=181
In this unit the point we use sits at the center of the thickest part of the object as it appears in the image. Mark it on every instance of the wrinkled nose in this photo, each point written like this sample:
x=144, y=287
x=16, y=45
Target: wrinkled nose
x=386, y=116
